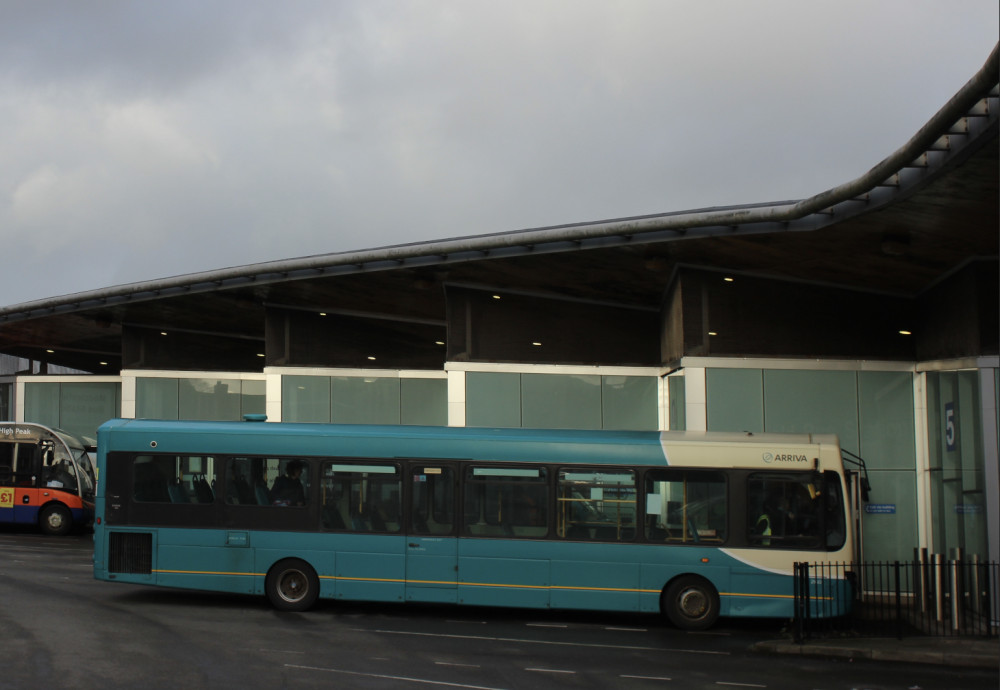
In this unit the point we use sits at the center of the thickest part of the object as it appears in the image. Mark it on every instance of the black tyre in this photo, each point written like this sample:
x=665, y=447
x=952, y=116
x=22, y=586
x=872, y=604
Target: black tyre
x=292, y=585
x=690, y=603
x=55, y=520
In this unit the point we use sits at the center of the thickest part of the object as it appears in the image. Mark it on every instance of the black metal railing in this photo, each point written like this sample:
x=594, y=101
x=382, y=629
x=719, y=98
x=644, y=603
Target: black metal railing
x=926, y=596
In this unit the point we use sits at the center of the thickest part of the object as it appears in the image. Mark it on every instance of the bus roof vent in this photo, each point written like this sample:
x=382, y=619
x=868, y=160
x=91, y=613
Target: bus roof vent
x=255, y=417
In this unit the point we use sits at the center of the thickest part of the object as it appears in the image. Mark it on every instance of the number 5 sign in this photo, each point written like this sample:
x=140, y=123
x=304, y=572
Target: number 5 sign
x=6, y=497
x=950, y=432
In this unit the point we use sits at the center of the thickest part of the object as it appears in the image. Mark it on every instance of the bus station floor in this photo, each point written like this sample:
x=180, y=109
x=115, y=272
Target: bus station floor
x=958, y=652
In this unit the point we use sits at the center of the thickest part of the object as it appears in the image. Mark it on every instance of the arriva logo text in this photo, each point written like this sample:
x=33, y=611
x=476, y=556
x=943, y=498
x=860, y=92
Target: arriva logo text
x=784, y=457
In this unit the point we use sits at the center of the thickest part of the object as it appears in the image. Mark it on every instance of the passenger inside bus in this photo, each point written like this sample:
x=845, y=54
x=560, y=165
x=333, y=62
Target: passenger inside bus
x=287, y=489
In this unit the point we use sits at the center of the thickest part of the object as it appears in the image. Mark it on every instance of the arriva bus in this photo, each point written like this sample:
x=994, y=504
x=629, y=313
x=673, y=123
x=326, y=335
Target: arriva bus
x=46, y=478
x=694, y=525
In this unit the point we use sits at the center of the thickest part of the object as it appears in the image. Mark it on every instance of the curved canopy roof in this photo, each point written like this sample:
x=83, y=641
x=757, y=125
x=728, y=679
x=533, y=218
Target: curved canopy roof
x=918, y=216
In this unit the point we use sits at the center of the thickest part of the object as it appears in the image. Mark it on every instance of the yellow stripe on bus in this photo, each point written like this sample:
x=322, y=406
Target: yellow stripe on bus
x=487, y=584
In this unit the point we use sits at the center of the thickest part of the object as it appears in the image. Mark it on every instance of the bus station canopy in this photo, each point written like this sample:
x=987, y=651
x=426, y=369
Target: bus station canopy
x=924, y=213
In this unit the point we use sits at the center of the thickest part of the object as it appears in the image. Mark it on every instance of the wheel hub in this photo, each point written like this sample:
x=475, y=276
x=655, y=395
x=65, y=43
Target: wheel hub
x=693, y=602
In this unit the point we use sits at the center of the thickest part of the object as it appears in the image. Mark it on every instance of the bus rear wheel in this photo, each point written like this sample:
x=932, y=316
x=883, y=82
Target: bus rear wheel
x=292, y=585
x=690, y=603
x=55, y=520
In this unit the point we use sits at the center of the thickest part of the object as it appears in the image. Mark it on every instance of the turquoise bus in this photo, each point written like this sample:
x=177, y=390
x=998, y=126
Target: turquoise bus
x=694, y=525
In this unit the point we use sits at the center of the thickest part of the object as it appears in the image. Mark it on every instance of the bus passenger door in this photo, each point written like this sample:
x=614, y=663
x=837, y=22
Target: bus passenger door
x=27, y=498
x=7, y=453
x=431, y=541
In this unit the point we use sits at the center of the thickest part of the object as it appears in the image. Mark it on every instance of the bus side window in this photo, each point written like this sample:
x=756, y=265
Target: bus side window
x=686, y=507
x=150, y=481
x=361, y=498
x=432, y=500
x=783, y=510
x=596, y=504
x=178, y=479
x=506, y=502
x=833, y=518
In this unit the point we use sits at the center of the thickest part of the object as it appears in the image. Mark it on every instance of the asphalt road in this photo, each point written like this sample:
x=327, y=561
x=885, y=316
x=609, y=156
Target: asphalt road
x=59, y=628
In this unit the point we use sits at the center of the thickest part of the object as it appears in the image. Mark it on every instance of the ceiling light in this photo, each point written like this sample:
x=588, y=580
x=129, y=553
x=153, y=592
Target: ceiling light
x=537, y=344
x=439, y=342
x=104, y=364
x=163, y=332
x=322, y=313
x=260, y=354
x=496, y=296
x=50, y=351
x=712, y=333
x=728, y=279
x=371, y=358
x=906, y=332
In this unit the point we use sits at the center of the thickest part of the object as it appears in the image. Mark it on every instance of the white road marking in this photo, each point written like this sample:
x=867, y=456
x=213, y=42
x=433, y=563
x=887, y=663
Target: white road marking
x=388, y=677
x=486, y=638
x=550, y=670
x=647, y=677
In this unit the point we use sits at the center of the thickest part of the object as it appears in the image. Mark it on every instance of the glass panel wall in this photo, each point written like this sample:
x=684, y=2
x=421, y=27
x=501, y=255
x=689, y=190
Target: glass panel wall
x=561, y=401
x=552, y=401
x=364, y=400
x=802, y=401
x=735, y=399
x=886, y=428
x=305, y=399
x=76, y=407
x=954, y=429
x=676, y=392
x=156, y=398
x=423, y=401
x=210, y=399
x=629, y=402
x=492, y=399
x=198, y=398
x=41, y=403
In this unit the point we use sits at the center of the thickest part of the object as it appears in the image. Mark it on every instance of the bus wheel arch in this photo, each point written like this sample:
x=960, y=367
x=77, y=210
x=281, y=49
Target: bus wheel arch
x=55, y=519
x=690, y=602
x=292, y=585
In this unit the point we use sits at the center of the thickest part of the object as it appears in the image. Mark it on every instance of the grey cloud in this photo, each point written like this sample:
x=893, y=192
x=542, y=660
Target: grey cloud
x=142, y=140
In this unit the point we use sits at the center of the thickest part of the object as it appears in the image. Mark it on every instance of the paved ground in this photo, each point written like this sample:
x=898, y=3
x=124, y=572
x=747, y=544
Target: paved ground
x=61, y=628
x=958, y=652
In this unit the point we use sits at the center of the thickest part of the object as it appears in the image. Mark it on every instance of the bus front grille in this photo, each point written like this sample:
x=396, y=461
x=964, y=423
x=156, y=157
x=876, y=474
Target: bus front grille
x=130, y=552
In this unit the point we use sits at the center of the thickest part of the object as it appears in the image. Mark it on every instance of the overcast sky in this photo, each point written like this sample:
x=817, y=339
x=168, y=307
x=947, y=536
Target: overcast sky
x=143, y=140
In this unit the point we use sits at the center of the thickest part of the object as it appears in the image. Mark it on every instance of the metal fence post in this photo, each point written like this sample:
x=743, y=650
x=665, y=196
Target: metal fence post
x=956, y=597
x=801, y=594
x=899, y=604
x=974, y=585
x=938, y=587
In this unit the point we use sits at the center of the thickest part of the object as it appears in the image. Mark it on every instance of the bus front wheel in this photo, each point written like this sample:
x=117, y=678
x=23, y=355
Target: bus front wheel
x=292, y=585
x=691, y=603
x=55, y=520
